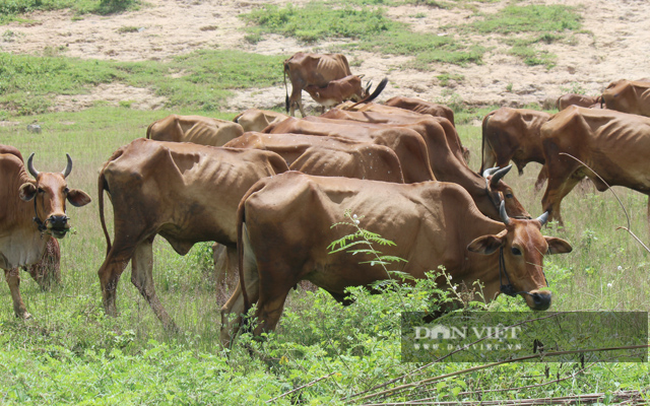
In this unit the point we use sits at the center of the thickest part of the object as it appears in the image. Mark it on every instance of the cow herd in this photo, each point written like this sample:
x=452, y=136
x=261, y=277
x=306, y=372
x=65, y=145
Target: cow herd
x=268, y=187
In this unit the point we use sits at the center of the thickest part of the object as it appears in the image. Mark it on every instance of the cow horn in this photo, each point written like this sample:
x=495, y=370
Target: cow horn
x=68, y=167
x=30, y=166
x=502, y=212
x=543, y=218
x=500, y=173
x=489, y=171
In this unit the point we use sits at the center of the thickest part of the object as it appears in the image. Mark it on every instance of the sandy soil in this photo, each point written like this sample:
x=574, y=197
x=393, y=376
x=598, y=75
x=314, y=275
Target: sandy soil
x=616, y=46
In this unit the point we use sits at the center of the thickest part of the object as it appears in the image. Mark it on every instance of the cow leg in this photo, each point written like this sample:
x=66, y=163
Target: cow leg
x=111, y=270
x=541, y=178
x=12, y=276
x=225, y=270
x=232, y=312
x=555, y=192
x=142, y=279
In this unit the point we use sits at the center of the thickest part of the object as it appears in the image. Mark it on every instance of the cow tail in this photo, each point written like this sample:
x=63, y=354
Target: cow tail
x=286, y=90
x=101, y=183
x=149, y=129
x=484, y=140
x=380, y=87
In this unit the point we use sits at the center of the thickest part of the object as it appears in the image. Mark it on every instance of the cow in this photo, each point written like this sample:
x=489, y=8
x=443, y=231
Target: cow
x=615, y=146
x=417, y=121
x=257, y=120
x=195, y=129
x=445, y=164
x=628, y=96
x=337, y=91
x=397, y=115
x=327, y=156
x=285, y=229
x=513, y=135
x=581, y=100
x=304, y=69
x=421, y=106
x=408, y=145
x=32, y=211
x=184, y=192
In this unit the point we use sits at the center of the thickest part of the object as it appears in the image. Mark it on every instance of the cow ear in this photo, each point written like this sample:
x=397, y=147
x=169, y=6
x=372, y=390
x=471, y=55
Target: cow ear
x=486, y=244
x=78, y=197
x=27, y=191
x=557, y=246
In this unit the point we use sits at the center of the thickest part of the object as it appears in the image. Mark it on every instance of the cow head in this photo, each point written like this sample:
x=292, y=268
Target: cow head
x=521, y=249
x=49, y=192
x=499, y=192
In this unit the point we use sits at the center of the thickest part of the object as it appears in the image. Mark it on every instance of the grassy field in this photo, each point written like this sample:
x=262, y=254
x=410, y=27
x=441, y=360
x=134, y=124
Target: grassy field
x=322, y=353
x=71, y=353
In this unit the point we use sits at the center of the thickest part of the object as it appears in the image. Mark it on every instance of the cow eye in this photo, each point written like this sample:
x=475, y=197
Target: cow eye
x=516, y=251
x=509, y=196
x=41, y=190
x=66, y=191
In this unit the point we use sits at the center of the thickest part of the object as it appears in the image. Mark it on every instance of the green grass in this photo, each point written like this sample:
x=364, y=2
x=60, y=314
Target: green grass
x=11, y=9
x=201, y=80
x=72, y=353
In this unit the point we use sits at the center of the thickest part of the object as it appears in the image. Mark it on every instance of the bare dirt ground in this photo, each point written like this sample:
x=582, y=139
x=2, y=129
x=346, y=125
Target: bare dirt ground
x=616, y=46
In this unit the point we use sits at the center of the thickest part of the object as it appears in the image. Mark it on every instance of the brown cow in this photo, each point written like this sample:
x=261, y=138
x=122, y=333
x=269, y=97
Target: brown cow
x=185, y=192
x=408, y=145
x=613, y=144
x=285, y=228
x=327, y=156
x=581, y=100
x=306, y=69
x=628, y=96
x=32, y=211
x=337, y=91
x=258, y=120
x=443, y=159
x=195, y=129
x=513, y=135
x=421, y=106
x=405, y=114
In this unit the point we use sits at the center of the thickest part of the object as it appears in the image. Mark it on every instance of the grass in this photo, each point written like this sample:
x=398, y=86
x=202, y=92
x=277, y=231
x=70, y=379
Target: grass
x=201, y=80
x=71, y=344
x=71, y=353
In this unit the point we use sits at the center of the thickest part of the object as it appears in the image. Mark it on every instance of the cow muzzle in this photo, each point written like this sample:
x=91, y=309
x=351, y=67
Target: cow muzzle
x=57, y=225
x=540, y=300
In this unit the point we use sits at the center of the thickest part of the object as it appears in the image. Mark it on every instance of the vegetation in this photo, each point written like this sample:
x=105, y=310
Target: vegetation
x=10, y=9
x=322, y=352
x=27, y=83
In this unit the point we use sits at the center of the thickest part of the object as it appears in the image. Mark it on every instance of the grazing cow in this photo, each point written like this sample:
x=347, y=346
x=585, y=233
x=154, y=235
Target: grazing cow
x=258, y=120
x=306, y=69
x=421, y=106
x=629, y=96
x=398, y=115
x=337, y=91
x=513, y=135
x=486, y=190
x=572, y=99
x=408, y=145
x=285, y=229
x=613, y=144
x=185, y=192
x=327, y=156
x=32, y=211
x=194, y=129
